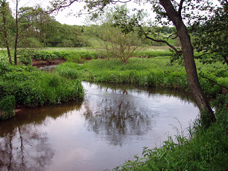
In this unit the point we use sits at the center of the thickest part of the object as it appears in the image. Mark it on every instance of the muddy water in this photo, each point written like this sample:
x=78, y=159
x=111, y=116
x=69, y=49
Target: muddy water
x=111, y=125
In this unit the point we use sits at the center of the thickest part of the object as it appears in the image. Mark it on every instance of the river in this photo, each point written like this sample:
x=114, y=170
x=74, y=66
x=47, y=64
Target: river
x=109, y=126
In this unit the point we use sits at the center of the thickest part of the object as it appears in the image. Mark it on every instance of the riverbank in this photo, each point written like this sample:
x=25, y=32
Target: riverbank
x=150, y=72
x=28, y=86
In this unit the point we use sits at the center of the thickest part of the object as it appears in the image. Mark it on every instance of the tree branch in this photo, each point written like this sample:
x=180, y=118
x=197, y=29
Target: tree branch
x=170, y=36
x=212, y=81
x=180, y=8
x=63, y=4
x=60, y=5
x=158, y=40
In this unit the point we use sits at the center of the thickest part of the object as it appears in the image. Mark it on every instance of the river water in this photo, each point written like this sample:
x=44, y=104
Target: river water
x=109, y=126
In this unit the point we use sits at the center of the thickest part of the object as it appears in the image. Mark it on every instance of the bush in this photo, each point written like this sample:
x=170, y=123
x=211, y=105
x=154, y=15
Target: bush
x=36, y=88
x=7, y=106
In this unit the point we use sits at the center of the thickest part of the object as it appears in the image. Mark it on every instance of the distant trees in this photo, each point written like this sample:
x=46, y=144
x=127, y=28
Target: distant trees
x=33, y=27
x=62, y=35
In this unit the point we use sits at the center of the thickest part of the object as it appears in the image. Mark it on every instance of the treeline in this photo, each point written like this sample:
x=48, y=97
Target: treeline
x=36, y=28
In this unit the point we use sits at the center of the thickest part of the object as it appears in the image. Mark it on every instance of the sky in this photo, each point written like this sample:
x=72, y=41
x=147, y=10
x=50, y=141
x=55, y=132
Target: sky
x=63, y=16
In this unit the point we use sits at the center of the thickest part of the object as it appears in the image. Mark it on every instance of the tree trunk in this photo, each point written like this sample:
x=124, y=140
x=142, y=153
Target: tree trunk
x=190, y=67
x=17, y=35
x=5, y=31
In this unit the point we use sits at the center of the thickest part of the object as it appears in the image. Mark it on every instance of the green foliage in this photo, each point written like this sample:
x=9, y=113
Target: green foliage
x=141, y=71
x=213, y=77
x=152, y=53
x=210, y=35
x=32, y=87
x=31, y=43
x=7, y=105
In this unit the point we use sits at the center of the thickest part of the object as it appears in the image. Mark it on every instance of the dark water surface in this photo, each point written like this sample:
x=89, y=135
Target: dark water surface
x=111, y=125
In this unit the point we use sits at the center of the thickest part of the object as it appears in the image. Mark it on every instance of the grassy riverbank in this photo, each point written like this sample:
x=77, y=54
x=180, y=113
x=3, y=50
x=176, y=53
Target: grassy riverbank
x=149, y=72
x=28, y=86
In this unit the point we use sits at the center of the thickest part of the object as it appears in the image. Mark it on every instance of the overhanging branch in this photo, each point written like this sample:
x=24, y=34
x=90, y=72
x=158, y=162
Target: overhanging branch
x=158, y=40
x=214, y=82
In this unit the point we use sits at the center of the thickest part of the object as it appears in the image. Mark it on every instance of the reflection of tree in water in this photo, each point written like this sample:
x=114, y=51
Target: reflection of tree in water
x=24, y=148
x=117, y=118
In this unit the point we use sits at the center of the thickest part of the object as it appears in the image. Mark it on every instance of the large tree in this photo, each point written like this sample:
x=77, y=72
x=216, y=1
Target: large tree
x=6, y=21
x=171, y=10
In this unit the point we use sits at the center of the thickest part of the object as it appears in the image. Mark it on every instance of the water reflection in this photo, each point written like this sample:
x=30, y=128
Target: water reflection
x=120, y=113
x=25, y=148
x=117, y=119
x=111, y=125
x=22, y=145
x=155, y=91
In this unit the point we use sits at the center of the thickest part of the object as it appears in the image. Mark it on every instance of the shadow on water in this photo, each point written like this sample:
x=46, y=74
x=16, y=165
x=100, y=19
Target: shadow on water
x=111, y=120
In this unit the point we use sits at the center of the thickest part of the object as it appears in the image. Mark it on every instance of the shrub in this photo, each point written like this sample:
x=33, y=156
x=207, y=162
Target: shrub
x=36, y=88
x=7, y=106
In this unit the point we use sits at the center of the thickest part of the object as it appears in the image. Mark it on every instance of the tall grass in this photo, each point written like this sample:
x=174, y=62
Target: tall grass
x=32, y=87
x=140, y=71
x=152, y=72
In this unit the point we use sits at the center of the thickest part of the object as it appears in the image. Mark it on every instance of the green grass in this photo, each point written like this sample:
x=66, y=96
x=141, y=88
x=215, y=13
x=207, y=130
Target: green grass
x=154, y=71
x=32, y=87
x=140, y=71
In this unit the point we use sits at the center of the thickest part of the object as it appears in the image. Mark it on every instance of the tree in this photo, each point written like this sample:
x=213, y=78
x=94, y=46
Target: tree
x=15, y=31
x=171, y=10
x=117, y=43
x=211, y=36
x=5, y=22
